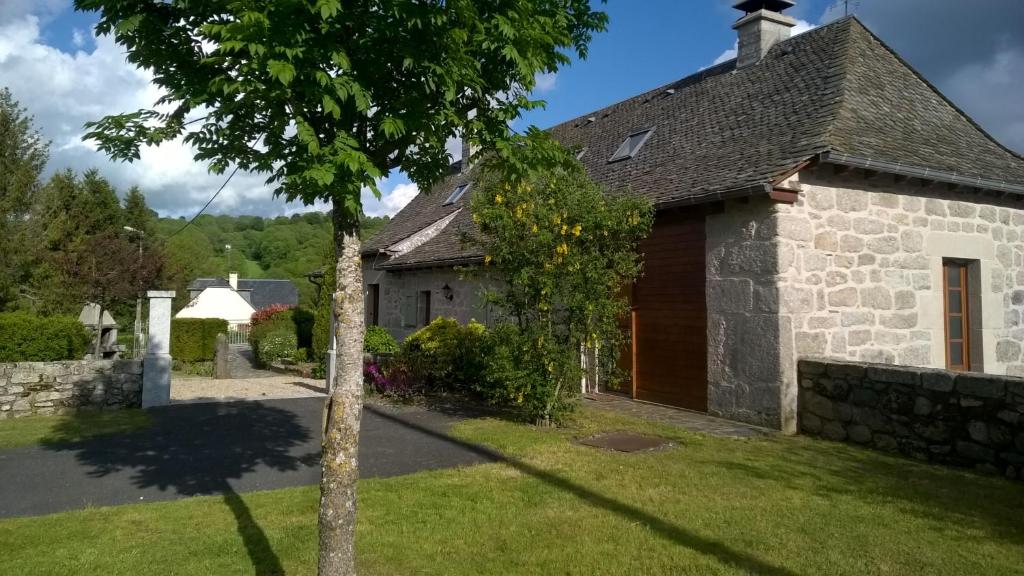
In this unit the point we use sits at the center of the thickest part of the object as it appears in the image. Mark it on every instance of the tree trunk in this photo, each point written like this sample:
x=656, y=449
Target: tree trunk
x=96, y=354
x=344, y=408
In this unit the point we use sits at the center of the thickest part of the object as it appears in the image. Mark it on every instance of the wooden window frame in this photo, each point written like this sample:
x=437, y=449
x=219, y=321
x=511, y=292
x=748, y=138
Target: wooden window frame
x=964, y=314
x=425, y=318
x=373, y=304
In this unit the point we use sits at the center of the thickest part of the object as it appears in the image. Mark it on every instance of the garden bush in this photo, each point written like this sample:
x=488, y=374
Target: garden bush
x=274, y=345
x=515, y=375
x=377, y=340
x=445, y=356
x=278, y=332
x=195, y=339
x=26, y=337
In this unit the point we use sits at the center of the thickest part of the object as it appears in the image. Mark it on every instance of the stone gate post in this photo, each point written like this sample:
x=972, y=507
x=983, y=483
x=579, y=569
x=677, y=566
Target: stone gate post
x=156, y=366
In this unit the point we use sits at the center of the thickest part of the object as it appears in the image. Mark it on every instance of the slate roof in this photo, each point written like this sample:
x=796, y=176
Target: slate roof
x=835, y=91
x=263, y=293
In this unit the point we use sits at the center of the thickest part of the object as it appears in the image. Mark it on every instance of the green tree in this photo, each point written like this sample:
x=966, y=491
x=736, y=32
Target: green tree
x=137, y=214
x=23, y=155
x=71, y=210
x=326, y=97
x=106, y=269
x=563, y=250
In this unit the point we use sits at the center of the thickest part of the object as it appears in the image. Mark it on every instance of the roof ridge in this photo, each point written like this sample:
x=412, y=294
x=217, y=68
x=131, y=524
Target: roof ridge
x=836, y=106
x=930, y=86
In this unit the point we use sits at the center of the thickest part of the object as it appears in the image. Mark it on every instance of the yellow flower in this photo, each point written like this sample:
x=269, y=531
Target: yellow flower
x=564, y=229
x=487, y=259
x=535, y=229
x=576, y=230
x=498, y=199
x=563, y=248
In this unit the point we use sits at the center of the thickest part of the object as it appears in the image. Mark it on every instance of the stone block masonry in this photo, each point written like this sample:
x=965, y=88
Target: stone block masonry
x=38, y=388
x=963, y=419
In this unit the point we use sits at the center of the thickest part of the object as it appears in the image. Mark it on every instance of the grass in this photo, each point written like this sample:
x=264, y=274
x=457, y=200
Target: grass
x=777, y=506
x=32, y=430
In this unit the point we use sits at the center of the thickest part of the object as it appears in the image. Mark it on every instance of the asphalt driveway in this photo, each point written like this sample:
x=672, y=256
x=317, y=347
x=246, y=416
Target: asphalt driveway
x=210, y=448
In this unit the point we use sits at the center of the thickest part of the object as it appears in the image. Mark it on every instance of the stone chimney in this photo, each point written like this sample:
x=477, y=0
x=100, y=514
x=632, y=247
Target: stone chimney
x=761, y=27
x=233, y=280
x=468, y=149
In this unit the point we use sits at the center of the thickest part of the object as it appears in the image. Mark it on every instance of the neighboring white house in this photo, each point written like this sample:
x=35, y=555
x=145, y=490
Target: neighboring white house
x=235, y=300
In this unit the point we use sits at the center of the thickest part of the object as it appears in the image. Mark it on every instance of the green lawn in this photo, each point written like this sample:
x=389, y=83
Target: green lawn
x=777, y=506
x=55, y=429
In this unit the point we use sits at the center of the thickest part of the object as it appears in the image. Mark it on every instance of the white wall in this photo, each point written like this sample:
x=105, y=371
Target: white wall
x=218, y=302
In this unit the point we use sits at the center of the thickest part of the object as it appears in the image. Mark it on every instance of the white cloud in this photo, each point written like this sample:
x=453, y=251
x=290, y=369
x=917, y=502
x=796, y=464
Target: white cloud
x=64, y=91
x=801, y=27
x=78, y=38
x=393, y=201
x=11, y=10
x=545, y=82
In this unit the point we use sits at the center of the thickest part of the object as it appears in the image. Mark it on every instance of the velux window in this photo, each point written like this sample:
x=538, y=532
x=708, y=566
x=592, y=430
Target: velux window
x=456, y=194
x=631, y=145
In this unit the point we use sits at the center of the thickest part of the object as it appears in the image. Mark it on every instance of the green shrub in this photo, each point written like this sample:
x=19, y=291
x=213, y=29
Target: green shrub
x=377, y=340
x=273, y=346
x=192, y=368
x=300, y=355
x=515, y=376
x=303, y=320
x=446, y=356
x=273, y=323
x=26, y=337
x=195, y=339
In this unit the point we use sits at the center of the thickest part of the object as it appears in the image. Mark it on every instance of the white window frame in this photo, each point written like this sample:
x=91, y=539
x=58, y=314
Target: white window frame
x=623, y=152
x=459, y=192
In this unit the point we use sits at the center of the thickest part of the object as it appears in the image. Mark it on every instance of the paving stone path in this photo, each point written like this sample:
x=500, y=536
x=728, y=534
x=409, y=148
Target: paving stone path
x=686, y=419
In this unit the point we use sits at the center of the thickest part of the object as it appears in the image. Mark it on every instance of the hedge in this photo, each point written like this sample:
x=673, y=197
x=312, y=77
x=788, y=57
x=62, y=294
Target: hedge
x=195, y=339
x=26, y=337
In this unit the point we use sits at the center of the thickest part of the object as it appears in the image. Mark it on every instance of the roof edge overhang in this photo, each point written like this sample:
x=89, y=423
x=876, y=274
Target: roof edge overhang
x=441, y=263
x=900, y=169
x=715, y=196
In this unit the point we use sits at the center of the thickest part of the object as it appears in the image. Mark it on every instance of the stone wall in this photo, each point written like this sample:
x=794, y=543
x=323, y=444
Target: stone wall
x=466, y=303
x=747, y=335
x=853, y=271
x=868, y=253
x=956, y=418
x=28, y=388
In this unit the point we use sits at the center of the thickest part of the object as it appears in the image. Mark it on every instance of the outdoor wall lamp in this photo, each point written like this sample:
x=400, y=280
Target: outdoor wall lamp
x=447, y=292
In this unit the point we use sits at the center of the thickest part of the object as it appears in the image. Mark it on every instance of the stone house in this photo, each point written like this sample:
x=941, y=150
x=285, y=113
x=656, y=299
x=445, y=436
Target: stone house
x=815, y=197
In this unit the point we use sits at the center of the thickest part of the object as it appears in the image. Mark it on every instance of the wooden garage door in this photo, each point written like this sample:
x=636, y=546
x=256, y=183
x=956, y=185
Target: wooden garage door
x=670, y=314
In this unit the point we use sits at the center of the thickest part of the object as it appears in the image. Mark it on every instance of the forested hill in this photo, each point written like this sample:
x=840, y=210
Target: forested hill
x=282, y=247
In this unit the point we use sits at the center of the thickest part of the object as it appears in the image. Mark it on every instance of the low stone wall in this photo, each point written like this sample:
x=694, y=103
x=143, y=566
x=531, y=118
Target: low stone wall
x=28, y=388
x=956, y=418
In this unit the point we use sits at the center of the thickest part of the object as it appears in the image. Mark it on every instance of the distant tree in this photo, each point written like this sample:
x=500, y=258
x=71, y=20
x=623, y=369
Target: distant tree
x=137, y=214
x=23, y=155
x=107, y=269
x=326, y=98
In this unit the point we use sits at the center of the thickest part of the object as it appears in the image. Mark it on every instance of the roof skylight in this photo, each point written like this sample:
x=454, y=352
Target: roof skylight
x=631, y=145
x=456, y=194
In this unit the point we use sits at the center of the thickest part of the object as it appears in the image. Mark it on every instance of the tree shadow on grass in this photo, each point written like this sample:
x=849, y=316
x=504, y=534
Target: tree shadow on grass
x=199, y=449
x=659, y=526
x=943, y=495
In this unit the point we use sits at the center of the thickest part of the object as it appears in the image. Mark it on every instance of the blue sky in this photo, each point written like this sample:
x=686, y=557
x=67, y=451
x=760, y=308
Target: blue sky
x=973, y=51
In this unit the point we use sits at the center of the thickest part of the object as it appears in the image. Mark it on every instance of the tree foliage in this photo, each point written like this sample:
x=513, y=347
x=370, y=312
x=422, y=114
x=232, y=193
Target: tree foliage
x=564, y=250
x=327, y=97
x=23, y=154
